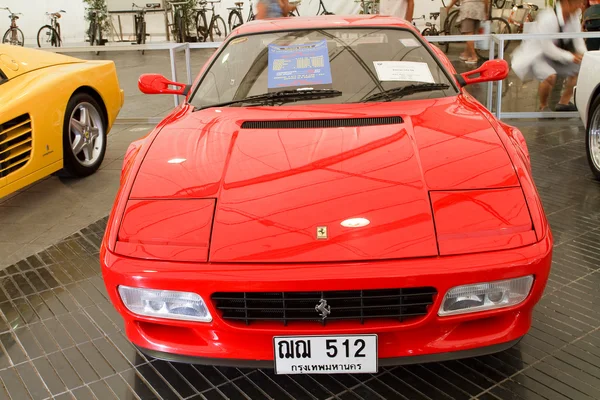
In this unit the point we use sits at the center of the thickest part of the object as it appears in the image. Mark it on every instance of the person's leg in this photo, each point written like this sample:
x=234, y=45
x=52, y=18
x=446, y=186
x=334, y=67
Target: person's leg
x=546, y=74
x=544, y=90
x=467, y=27
x=565, y=98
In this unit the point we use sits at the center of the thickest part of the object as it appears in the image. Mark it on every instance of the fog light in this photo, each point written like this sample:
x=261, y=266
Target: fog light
x=165, y=304
x=485, y=296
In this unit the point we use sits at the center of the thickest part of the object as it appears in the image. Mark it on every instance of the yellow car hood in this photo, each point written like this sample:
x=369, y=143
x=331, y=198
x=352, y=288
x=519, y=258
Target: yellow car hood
x=15, y=61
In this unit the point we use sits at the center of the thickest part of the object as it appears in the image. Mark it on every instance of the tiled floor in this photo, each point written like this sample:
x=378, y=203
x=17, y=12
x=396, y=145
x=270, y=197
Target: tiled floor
x=59, y=335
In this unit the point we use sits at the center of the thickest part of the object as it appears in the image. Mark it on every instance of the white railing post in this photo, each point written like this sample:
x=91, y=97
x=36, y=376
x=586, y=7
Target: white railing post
x=499, y=87
x=173, y=72
x=188, y=63
x=490, y=90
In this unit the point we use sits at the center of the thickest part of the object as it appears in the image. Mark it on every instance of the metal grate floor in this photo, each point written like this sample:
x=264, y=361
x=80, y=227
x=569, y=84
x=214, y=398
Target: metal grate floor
x=60, y=336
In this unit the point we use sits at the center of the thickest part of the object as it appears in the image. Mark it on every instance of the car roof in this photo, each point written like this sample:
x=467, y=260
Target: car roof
x=323, y=21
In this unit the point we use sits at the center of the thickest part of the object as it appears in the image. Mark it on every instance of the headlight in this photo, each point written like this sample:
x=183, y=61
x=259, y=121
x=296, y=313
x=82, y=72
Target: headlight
x=165, y=304
x=485, y=296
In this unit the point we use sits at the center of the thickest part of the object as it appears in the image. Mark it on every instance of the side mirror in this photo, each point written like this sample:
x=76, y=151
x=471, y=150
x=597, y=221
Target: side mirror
x=158, y=84
x=492, y=70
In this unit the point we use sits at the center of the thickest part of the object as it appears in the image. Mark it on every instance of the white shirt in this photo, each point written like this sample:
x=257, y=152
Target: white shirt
x=548, y=22
x=532, y=50
x=395, y=8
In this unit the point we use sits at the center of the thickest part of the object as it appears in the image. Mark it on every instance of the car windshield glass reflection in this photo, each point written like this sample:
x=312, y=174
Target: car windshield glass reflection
x=359, y=63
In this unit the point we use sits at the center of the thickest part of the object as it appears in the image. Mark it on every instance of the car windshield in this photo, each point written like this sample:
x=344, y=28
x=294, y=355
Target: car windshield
x=322, y=66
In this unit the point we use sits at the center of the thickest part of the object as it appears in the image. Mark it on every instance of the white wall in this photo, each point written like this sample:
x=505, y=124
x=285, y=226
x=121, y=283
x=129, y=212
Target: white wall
x=73, y=23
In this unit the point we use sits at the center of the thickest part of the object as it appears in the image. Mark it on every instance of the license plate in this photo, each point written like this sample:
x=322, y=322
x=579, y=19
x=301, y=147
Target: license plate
x=349, y=354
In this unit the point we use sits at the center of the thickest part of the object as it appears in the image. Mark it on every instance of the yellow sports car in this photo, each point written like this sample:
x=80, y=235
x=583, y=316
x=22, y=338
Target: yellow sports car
x=55, y=113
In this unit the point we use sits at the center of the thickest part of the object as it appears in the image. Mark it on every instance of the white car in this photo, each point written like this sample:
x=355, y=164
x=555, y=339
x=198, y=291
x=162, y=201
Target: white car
x=587, y=99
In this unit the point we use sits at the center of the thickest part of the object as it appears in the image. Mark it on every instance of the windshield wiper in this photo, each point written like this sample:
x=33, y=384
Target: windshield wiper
x=282, y=96
x=394, y=93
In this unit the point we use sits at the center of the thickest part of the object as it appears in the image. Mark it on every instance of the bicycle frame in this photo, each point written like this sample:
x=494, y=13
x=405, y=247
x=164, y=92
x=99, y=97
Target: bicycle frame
x=322, y=10
x=251, y=16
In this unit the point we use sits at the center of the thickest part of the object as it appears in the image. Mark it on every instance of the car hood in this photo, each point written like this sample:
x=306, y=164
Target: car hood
x=15, y=61
x=278, y=190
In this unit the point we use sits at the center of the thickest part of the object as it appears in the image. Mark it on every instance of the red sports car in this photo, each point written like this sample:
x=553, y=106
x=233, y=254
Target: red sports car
x=328, y=198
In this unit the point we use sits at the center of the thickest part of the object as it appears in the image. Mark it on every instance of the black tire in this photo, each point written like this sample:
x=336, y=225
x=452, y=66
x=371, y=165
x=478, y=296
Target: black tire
x=499, y=26
x=450, y=26
x=219, y=30
x=71, y=163
x=235, y=19
x=92, y=32
x=8, y=37
x=593, y=125
x=180, y=24
x=48, y=37
x=201, y=27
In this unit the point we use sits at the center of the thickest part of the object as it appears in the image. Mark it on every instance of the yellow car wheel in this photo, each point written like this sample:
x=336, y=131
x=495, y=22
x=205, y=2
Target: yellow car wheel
x=84, y=135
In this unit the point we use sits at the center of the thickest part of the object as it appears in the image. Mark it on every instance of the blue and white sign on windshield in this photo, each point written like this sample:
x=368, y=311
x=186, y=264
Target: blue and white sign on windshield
x=299, y=65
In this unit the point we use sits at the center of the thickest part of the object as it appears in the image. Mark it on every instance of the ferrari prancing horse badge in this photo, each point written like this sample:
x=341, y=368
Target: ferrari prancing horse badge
x=321, y=232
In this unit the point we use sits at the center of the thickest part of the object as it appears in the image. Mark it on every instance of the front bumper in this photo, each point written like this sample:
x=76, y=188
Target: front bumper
x=428, y=338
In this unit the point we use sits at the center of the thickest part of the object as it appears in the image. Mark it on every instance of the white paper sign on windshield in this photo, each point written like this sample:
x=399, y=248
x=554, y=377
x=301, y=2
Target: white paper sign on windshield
x=403, y=71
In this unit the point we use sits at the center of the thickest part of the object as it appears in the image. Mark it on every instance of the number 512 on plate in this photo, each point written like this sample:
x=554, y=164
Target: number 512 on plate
x=325, y=354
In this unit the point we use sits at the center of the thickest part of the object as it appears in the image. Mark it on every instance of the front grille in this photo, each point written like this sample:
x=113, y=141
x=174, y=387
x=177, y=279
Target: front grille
x=321, y=123
x=358, y=305
x=15, y=144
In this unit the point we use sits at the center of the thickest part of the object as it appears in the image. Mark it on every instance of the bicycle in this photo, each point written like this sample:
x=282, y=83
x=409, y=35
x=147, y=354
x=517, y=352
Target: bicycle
x=366, y=6
x=322, y=10
x=179, y=25
x=450, y=27
x=235, y=18
x=432, y=30
x=139, y=21
x=498, y=26
x=13, y=35
x=528, y=15
x=296, y=11
x=499, y=3
x=216, y=28
x=49, y=35
x=95, y=29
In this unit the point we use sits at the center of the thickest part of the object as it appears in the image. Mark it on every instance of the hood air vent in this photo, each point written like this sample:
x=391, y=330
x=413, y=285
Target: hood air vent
x=321, y=123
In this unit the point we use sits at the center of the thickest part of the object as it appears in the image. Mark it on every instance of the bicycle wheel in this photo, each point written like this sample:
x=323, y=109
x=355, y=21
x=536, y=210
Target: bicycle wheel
x=218, y=33
x=48, y=37
x=139, y=31
x=235, y=19
x=451, y=27
x=14, y=38
x=499, y=26
x=201, y=26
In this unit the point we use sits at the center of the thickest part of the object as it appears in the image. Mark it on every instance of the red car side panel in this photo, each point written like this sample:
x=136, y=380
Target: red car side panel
x=481, y=220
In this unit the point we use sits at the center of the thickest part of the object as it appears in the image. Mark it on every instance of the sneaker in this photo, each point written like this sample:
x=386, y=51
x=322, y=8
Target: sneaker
x=565, y=107
x=471, y=61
